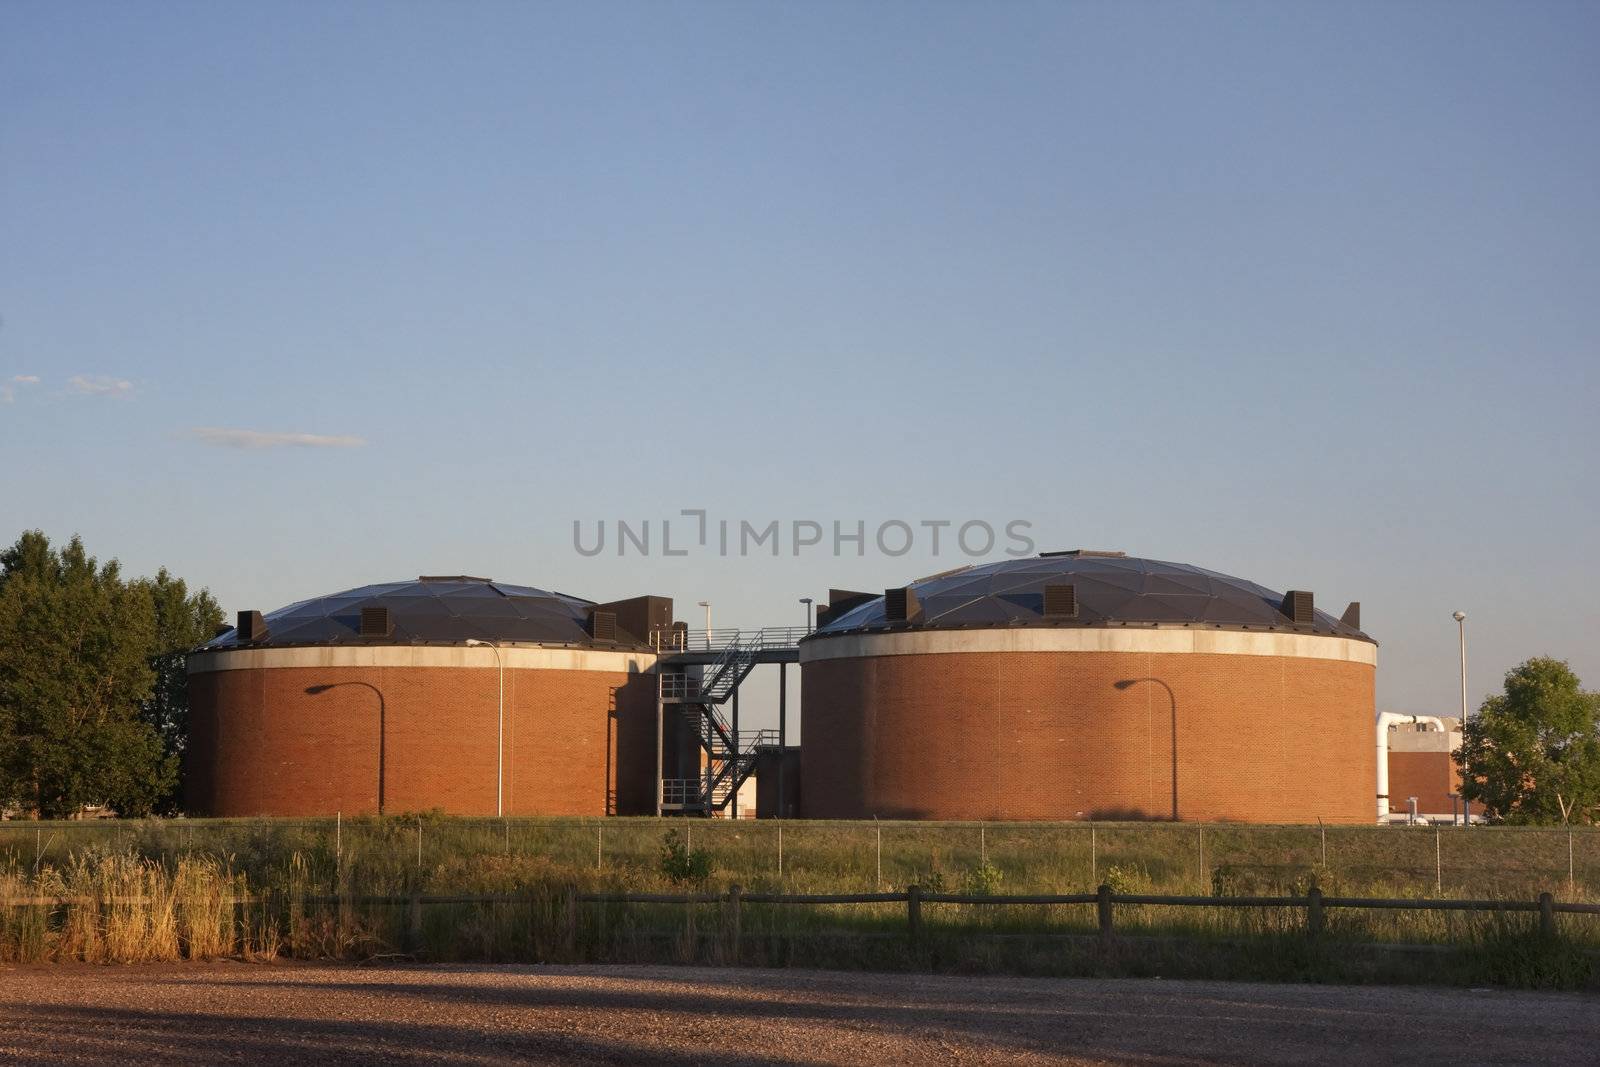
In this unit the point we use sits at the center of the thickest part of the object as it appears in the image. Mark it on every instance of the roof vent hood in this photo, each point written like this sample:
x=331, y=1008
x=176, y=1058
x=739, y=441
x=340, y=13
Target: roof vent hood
x=1297, y=605
x=901, y=605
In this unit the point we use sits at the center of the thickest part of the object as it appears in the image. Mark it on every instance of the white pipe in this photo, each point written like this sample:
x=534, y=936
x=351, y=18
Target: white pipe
x=1387, y=719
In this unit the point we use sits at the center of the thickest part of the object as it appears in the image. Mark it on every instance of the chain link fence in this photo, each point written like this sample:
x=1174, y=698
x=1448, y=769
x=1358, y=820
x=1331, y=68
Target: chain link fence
x=447, y=853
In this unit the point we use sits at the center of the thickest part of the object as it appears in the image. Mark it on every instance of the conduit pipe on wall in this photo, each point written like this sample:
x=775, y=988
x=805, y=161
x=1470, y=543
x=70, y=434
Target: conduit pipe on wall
x=1387, y=719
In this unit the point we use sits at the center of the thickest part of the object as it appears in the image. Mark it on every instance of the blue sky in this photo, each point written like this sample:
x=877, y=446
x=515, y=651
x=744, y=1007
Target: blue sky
x=1301, y=293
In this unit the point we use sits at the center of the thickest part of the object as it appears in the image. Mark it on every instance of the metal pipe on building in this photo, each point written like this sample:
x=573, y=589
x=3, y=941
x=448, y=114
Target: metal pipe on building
x=783, y=729
x=500, y=730
x=1387, y=719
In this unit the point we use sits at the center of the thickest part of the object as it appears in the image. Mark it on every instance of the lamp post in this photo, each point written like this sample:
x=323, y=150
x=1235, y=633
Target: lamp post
x=707, y=605
x=1128, y=683
x=1461, y=637
x=500, y=730
x=316, y=690
x=807, y=602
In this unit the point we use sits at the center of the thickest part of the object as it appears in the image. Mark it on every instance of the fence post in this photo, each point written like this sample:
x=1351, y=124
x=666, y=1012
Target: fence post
x=419, y=842
x=780, y=847
x=735, y=892
x=1438, y=864
x=1103, y=906
x=1570, y=883
x=571, y=932
x=1547, y=915
x=414, y=920
x=1314, y=917
x=914, y=912
x=599, y=846
x=1094, y=858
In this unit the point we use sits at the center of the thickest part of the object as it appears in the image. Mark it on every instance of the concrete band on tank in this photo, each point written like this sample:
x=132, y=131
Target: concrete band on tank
x=514, y=657
x=1090, y=640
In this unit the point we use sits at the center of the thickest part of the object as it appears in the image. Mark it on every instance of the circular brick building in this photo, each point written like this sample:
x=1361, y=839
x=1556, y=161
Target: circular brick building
x=388, y=698
x=1088, y=685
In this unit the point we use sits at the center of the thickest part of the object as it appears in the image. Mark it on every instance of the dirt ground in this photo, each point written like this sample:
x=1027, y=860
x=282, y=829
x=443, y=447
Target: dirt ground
x=305, y=1015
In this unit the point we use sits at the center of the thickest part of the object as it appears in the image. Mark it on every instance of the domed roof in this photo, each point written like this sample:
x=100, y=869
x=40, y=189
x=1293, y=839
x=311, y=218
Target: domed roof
x=1109, y=589
x=444, y=610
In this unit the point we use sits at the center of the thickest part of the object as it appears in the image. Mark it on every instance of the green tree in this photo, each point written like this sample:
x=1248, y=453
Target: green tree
x=80, y=649
x=1531, y=755
x=183, y=621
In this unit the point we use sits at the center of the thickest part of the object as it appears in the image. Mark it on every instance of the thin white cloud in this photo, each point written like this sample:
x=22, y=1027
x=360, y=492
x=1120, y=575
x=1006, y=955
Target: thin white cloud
x=99, y=385
x=222, y=438
x=8, y=390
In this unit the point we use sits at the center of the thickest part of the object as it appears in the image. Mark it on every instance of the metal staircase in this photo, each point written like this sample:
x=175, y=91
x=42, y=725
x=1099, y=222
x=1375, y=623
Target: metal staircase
x=729, y=759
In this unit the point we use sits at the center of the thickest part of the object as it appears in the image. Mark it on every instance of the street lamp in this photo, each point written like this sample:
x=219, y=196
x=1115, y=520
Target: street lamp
x=707, y=605
x=1128, y=683
x=807, y=602
x=500, y=730
x=1461, y=634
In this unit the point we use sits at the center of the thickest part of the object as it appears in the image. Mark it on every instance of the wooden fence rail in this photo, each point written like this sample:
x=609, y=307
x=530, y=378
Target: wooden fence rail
x=1104, y=900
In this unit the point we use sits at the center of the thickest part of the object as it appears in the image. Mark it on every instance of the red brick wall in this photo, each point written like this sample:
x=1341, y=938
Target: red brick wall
x=1429, y=776
x=1046, y=735
x=576, y=742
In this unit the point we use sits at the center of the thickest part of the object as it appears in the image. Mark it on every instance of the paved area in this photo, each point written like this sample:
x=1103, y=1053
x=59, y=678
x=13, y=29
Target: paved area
x=303, y=1015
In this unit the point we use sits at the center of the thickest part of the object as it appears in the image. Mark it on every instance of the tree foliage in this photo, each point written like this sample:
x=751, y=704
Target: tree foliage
x=92, y=706
x=182, y=622
x=1531, y=755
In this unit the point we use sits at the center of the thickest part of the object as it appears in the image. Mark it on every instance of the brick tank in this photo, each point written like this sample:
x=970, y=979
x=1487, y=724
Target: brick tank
x=303, y=732
x=1074, y=688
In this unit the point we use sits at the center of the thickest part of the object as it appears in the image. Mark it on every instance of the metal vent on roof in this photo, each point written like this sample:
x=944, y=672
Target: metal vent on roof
x=603, y=625
x=1297, y=605
x=1061, y=602
x=376, y=622
x=839, y=602
x=1352, y=615
x=252, y=627
x=1084, y=553
x=900, y=604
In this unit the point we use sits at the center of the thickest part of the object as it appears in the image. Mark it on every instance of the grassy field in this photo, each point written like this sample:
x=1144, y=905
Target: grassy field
x=163, y=890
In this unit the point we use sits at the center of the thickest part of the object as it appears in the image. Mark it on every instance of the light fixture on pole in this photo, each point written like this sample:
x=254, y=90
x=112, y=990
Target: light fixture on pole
x=807, y=602
x=707, y=605
x=500, y=730
x=1461, y=634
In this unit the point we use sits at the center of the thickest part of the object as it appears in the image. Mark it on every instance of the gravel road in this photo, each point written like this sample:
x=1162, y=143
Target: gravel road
x=304, y=1015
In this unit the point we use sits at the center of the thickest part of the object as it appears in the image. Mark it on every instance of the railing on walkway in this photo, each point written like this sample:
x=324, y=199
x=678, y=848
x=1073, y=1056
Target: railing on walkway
x=765, y=637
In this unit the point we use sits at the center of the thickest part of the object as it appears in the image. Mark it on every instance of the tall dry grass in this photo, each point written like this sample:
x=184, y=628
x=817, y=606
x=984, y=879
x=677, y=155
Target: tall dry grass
x=103, y=906
x=190, y=889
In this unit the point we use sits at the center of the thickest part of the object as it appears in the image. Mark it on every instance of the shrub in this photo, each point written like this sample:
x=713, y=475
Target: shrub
x=680, y=863
x=1123, y=879
x=982, y=881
